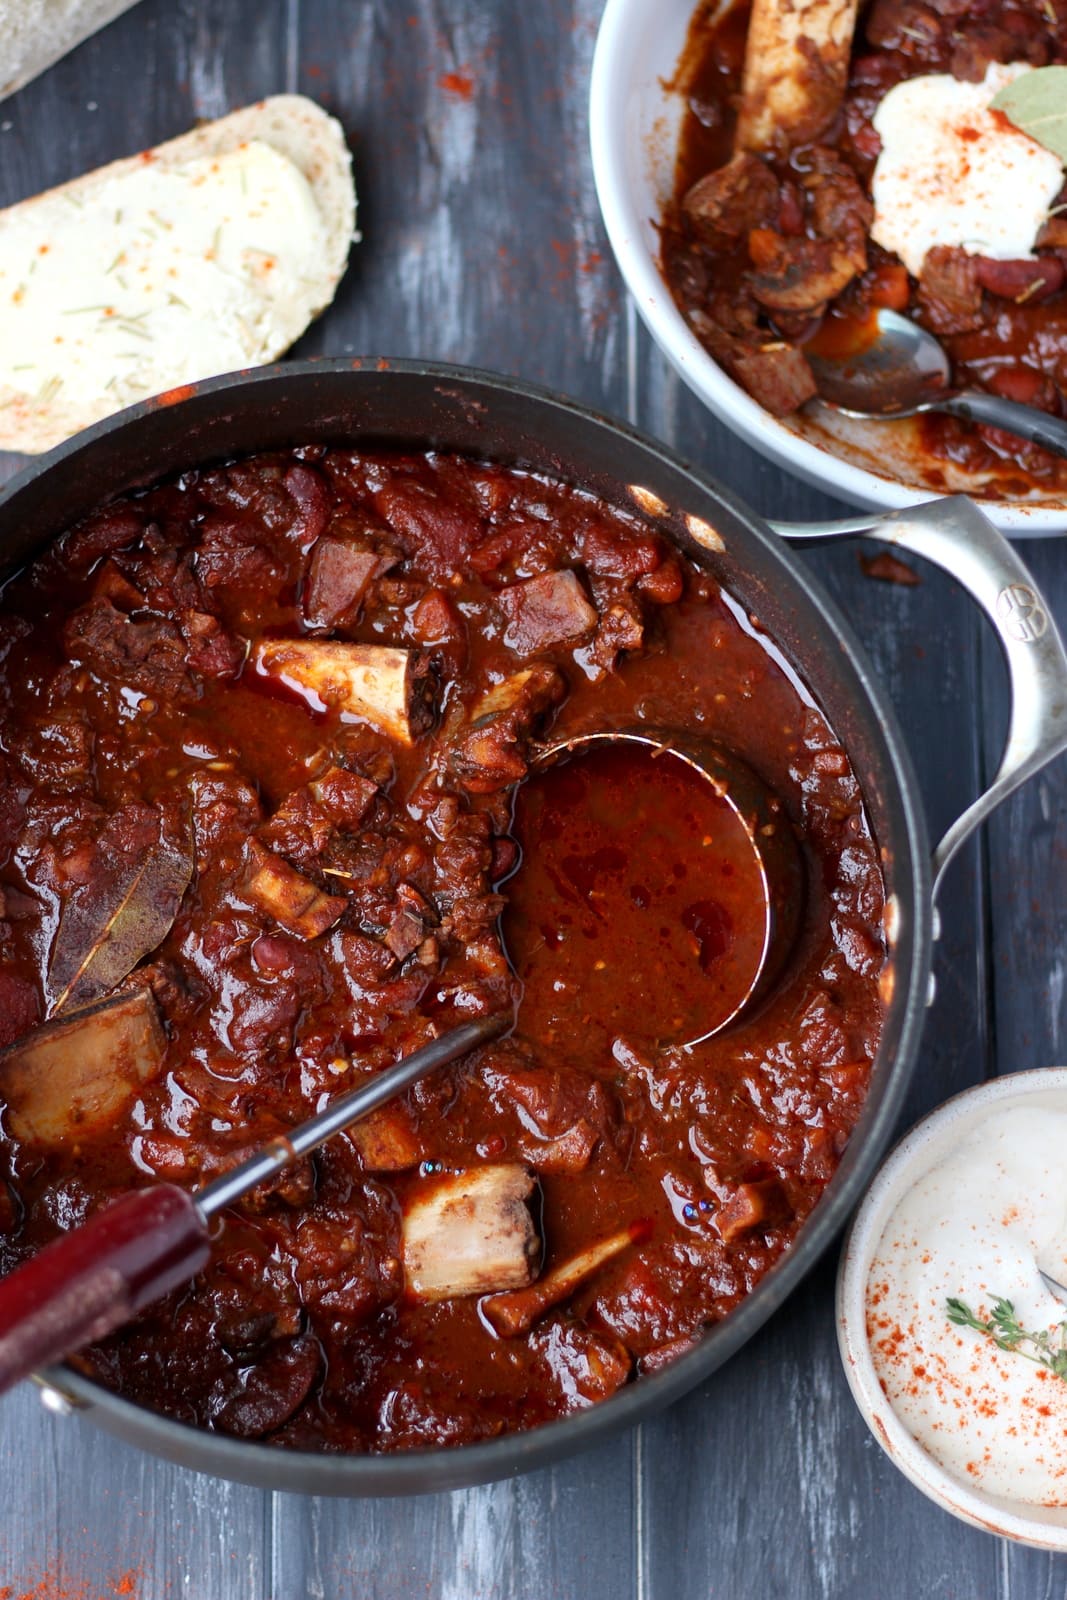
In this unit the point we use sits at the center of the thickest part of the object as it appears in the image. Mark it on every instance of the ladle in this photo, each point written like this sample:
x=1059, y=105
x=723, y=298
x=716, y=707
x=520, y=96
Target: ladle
x=902, y=371
x=619, y=917
x=97, y=1276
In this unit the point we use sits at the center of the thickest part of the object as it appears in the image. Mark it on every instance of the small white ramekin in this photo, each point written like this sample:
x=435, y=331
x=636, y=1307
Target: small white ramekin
x=937, y=1135
x=634, y=118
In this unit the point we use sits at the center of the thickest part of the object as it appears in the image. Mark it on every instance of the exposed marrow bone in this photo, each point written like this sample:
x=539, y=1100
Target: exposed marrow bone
x=71, y=1079
x=471, y=1233
x=287, y=896
x=386, y=687
x=515, y=1313
x=796, y=70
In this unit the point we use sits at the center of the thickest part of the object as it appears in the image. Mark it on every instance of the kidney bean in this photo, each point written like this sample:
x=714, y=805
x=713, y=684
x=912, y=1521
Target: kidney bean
x=1022, y=281
x=1026, y=385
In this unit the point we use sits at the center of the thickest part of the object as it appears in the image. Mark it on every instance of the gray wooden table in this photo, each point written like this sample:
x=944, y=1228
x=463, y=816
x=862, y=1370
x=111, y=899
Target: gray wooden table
x=483, y=245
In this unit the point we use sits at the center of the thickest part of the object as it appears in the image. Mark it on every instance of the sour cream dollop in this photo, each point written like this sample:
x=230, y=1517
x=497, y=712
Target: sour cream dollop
x=976, y=1228
x=953, y=172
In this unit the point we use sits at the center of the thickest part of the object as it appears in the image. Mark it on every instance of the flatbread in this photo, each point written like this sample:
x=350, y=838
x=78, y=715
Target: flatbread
x=286, y=152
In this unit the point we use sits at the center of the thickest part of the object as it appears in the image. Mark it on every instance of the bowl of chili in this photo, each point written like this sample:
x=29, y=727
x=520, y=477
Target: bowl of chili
x=303, y=1361
x=663, y=106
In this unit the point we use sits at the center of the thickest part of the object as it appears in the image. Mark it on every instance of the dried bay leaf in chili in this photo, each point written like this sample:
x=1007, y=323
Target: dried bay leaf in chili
x=122, y=904
x=1036, y=103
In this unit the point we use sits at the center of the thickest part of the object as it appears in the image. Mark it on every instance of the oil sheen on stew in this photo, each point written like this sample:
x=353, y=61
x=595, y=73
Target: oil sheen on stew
x=261, y=732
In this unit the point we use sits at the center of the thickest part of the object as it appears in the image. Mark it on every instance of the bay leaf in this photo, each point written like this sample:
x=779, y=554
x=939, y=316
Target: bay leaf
x=124, y=909
x=1037, y=104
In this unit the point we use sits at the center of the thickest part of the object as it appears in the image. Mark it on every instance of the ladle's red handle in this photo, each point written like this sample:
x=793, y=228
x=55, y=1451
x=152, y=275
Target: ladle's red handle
x=95, y=1278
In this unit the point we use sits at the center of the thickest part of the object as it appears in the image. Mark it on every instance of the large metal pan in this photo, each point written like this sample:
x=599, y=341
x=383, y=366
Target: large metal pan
x=406, y=404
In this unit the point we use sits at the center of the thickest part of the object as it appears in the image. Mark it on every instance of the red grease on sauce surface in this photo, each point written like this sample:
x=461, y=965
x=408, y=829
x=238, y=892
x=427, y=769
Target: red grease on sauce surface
x=639, y=901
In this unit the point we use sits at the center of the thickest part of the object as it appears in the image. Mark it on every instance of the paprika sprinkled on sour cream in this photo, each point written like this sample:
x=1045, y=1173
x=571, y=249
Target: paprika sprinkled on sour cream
x=953, y=172
x=977, y=1227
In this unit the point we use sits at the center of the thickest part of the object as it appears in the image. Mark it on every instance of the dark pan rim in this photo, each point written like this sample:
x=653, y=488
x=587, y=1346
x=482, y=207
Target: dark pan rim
x=444, y=1468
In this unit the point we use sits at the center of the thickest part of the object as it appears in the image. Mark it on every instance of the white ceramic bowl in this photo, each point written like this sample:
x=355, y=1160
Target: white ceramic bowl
x=635, y=116
x=938, y=1135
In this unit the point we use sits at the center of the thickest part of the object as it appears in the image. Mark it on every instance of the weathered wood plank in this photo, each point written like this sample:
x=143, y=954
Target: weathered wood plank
x=86, y=1516
x=482, y=244
x=1026, y=852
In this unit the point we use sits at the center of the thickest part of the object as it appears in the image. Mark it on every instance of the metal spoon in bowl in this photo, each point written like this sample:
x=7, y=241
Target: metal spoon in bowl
x=904, y=371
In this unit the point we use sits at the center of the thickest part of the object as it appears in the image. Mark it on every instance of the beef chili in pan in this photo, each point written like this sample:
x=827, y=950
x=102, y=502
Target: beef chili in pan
x=769, y=254
x=262, y=728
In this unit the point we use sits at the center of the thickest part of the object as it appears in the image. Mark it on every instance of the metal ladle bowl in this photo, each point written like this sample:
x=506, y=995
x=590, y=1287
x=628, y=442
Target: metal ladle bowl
x=763, y=830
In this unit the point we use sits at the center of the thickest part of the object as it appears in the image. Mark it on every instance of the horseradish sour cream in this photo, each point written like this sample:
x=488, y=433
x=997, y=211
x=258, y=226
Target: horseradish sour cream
x=976, y=1228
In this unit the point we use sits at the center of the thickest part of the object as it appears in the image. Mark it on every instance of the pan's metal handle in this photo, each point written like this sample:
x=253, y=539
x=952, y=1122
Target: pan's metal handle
x=956, y=536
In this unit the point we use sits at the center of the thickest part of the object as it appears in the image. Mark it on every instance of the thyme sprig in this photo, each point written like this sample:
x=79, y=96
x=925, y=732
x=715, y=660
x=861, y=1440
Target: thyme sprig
x=1043, y=1348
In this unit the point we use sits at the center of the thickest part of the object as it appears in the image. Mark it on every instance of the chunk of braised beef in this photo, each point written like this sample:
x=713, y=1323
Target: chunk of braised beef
x=547, y=610
x=492, y=752
x=226, y=811
x=344, y=796
x=342, y=1270
x=387, y=1140
x=58, y=751
x=560, y=1115
x=368, y=963
x=585, y=1365
x=147, y=654
x=101, y=535
x=339, y=574
x=621, y=631
x=231, y=561
x=112, y=584
x=300, y=828
x=435, y=530
x=211, y=650
x=950, y=295
x=309, y=495
x=726, y=203
x=777, y=376
x=607, y=554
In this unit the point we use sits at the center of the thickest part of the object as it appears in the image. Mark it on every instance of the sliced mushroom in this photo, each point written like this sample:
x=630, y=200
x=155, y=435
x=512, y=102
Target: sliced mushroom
x=471, y=1233
x=796, y=70
x=292, y=900
x=71, y=1079
x=516, y=1313
x=391, y=689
